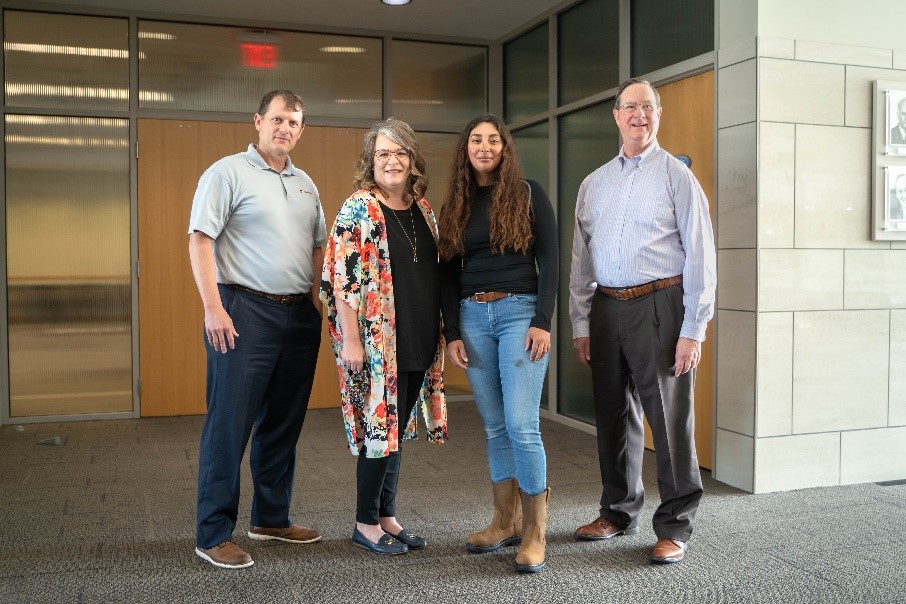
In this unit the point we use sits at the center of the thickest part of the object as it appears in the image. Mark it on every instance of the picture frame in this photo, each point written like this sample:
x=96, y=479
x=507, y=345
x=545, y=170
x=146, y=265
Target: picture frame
x=895, y=202
x=895, y=123
x=888, y=161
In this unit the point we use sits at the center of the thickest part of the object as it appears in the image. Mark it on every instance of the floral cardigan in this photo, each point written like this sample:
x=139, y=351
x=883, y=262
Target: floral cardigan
x=357, y=270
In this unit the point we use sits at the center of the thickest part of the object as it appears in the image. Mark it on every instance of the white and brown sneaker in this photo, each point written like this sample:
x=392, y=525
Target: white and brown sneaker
x=294, y=533
x=225, y=555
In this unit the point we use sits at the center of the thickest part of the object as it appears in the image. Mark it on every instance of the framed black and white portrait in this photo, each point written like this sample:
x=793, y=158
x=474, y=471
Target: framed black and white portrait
x=896, y=121
x=896, y=198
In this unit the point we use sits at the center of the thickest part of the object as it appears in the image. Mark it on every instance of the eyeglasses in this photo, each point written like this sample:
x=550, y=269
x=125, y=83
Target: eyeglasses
x=631, y=107
x=383, y=155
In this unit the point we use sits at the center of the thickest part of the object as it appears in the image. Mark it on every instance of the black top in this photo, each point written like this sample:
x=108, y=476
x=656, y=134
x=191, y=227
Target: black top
x=416, y=287
x=481, y=269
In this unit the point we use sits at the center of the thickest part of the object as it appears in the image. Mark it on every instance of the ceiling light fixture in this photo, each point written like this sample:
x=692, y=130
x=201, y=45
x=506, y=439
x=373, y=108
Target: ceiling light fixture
x=57, y=121
x=396, y=2
x=156, y=35
x=76, y=51
x=85, y=92
x=56, y=49
x=357, y=101
x=352, y=50
x=68, y=141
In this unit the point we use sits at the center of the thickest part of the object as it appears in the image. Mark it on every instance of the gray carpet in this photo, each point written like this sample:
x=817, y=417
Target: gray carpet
x=108, y=516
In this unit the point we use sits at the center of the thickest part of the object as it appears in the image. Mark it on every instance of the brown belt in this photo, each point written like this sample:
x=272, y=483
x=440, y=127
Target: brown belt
x=285, y=299
x=483, y=297
x=637, y=291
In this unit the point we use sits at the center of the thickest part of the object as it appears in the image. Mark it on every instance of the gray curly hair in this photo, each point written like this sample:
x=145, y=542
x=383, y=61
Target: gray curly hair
x=402, y=134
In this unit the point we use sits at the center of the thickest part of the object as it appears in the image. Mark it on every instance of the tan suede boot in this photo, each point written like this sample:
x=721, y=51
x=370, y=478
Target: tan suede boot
x=504, y=528
x=530, y=558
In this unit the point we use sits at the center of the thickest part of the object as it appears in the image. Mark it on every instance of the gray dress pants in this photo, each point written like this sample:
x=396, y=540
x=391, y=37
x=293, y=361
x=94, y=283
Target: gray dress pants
x=633, y=346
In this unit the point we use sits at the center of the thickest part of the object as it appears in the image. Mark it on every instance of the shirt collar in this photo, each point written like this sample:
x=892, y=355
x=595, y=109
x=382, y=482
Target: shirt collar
x=254, y=158
x=641, y=158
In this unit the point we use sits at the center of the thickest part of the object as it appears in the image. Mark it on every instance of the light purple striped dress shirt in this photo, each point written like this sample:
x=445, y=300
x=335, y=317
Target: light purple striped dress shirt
x=641, y=219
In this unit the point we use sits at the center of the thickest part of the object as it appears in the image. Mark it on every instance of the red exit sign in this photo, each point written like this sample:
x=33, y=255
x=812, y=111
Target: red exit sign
x=262, y=56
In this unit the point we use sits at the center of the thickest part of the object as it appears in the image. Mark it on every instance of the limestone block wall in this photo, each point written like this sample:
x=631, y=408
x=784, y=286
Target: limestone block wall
x=811, y=320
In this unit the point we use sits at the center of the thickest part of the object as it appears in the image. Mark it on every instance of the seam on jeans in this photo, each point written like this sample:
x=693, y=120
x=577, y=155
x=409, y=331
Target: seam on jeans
x=523, y=299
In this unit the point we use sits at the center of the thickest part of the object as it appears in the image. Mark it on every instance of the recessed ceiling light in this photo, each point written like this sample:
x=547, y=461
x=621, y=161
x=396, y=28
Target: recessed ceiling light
x=396, y=2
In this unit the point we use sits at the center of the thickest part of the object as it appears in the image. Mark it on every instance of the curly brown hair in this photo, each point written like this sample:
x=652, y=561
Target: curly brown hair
x=511, y=210
x=402, y=134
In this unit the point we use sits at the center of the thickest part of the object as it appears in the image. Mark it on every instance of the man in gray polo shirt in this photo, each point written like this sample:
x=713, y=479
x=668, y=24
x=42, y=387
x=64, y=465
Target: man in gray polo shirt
x=256, y=241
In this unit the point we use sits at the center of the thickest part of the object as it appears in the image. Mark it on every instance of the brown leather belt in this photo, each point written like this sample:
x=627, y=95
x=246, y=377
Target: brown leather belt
x=285, y=299
x=483, y=297
x=637, y=291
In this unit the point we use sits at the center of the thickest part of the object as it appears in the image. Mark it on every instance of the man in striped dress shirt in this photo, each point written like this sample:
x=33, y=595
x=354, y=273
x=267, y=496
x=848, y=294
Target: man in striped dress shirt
x=642, y=288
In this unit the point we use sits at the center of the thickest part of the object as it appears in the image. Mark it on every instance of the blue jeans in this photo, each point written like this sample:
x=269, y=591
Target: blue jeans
x=506, y=385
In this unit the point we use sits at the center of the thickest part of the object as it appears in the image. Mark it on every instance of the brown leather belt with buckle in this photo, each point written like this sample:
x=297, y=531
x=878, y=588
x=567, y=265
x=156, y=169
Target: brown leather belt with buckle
x=637, y=291
x=285, y=299
x=483, y=297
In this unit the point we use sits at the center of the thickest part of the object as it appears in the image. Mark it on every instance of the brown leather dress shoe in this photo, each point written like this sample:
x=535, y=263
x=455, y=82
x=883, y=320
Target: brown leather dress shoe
x=225, y=555
x=602, y=529
x=291, y=534
x=668, y=551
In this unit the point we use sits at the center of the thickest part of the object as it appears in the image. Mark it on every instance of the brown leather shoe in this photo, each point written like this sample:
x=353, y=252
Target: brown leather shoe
x=668, y=551
x=291, y=534
x=602, y=529
x=225, y=555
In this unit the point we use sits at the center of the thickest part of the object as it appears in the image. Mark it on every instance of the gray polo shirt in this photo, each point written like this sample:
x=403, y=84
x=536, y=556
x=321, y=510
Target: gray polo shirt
x=264, y=223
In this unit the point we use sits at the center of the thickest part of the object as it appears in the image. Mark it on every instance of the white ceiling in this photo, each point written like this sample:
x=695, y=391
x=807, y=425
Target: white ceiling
x=480, y=19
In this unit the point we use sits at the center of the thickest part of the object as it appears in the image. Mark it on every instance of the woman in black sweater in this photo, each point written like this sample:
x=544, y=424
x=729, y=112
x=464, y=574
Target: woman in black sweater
x=499, y=271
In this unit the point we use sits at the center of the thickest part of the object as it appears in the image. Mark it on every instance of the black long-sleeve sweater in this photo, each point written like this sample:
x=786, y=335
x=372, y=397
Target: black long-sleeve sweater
x=480, y=269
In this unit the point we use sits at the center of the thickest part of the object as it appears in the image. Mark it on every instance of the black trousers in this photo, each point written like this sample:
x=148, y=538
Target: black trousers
x=633, y=347
x=377, y=477
x=263, y=383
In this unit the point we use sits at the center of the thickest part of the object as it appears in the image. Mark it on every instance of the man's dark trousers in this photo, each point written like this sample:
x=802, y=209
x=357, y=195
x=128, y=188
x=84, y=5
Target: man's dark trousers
x=633, y=348
x=265, y=383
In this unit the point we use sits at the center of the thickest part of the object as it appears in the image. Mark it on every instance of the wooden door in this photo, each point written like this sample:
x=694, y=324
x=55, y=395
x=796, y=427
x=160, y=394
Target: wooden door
x=172, y=156
x=329, y=156
x=687, y=128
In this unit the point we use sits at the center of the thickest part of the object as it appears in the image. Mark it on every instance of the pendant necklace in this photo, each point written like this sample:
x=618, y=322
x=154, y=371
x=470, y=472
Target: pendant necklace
x=413, y=242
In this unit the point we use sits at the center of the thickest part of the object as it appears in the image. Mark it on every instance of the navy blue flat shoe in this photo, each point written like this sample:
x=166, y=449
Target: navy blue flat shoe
x=411, y=539
x=387, y=544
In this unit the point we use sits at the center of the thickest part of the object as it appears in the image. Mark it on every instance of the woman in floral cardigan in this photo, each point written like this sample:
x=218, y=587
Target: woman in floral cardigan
x=381, y=287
